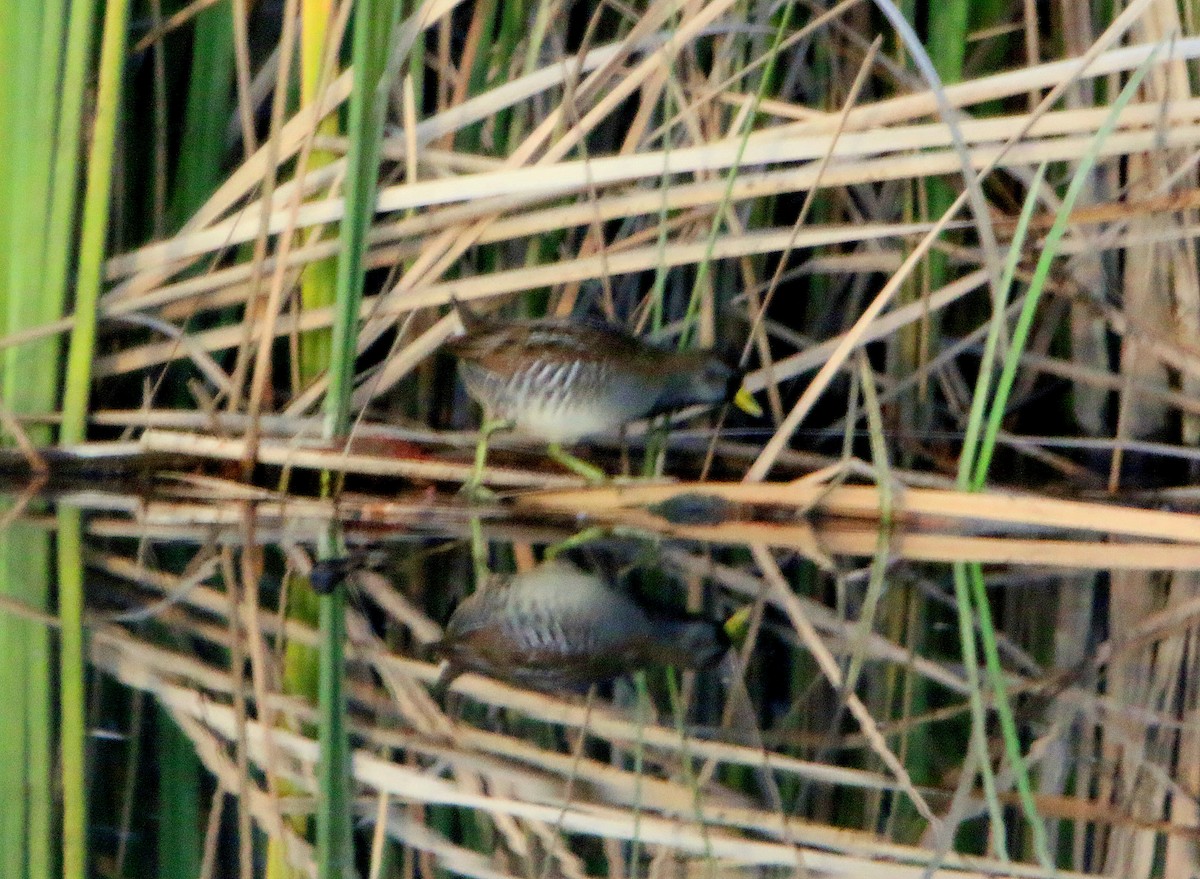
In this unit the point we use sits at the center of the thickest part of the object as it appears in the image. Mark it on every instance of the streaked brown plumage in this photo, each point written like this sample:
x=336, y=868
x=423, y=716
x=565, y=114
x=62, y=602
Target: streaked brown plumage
x=557, y=626
x=563, y=380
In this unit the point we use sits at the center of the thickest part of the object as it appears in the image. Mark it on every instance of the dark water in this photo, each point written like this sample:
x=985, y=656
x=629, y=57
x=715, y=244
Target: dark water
x=604, y=682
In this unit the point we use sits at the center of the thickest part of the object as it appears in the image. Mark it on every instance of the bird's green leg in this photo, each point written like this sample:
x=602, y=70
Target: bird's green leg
x=575, y=465
x=479, y=553
x=474, y=487
x=587, y=535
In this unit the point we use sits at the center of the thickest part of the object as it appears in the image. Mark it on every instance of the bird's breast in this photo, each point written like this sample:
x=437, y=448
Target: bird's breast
x=563, y=400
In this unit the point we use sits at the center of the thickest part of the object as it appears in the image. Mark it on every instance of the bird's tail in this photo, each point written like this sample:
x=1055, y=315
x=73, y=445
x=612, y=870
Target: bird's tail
x=471, y=320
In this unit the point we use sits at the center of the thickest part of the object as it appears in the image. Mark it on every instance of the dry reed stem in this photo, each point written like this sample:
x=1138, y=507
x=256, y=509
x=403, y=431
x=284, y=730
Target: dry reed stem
x=488, y=688
x=1064, y=136
x=464, y=200
x=875, y=116
x=839, y=855
x=289, y=454
x=1019, y=510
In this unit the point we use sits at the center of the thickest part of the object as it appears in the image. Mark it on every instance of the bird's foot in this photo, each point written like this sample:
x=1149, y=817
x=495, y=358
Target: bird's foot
x=590, y=472
x=587, y=535
x=474, y=488
x=478, y=493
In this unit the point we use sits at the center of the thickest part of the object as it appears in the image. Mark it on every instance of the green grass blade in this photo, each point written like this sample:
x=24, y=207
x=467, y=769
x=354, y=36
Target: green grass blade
x=966, y=637
x=179, y=840
x=318, y=288
x=208, y=107
x=41, y=112
x=67, y=149
x=72, y=696
x=1024, y=323
x=987, y=364
x=38, y=59
x=947, y=45
x=318, y=284
x=374, y=27
x=26, y=731
x=95, y=224
x=75, y=402
x=718, y=223
x=1008, y=723
x=972, y=574
x=335, y=856
x=27, y=775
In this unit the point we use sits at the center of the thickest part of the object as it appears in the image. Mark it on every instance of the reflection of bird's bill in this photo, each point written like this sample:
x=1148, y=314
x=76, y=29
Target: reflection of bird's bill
x=745, y=401
x=737, y=627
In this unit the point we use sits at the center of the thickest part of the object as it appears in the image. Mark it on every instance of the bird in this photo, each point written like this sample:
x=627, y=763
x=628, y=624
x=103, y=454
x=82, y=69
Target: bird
x=562, y=380
x=557, y=627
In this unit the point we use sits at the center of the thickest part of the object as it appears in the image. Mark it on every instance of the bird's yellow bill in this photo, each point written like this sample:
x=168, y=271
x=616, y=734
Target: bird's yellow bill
x=746, y=402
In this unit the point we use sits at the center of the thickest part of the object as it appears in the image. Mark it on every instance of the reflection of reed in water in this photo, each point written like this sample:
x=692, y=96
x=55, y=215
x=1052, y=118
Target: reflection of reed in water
x=557, y=626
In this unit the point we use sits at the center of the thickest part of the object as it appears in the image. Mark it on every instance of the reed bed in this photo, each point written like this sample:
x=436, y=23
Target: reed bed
x=957, y=263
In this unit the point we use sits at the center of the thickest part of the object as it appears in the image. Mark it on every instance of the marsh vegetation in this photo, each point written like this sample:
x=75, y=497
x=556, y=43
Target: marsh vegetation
x=932, y=611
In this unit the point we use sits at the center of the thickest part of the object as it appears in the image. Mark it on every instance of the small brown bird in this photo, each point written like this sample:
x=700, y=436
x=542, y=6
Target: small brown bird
x=560, y=380
x=558, y=627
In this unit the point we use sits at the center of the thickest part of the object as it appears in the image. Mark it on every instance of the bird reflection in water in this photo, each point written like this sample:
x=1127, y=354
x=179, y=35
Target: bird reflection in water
x=559, y=627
